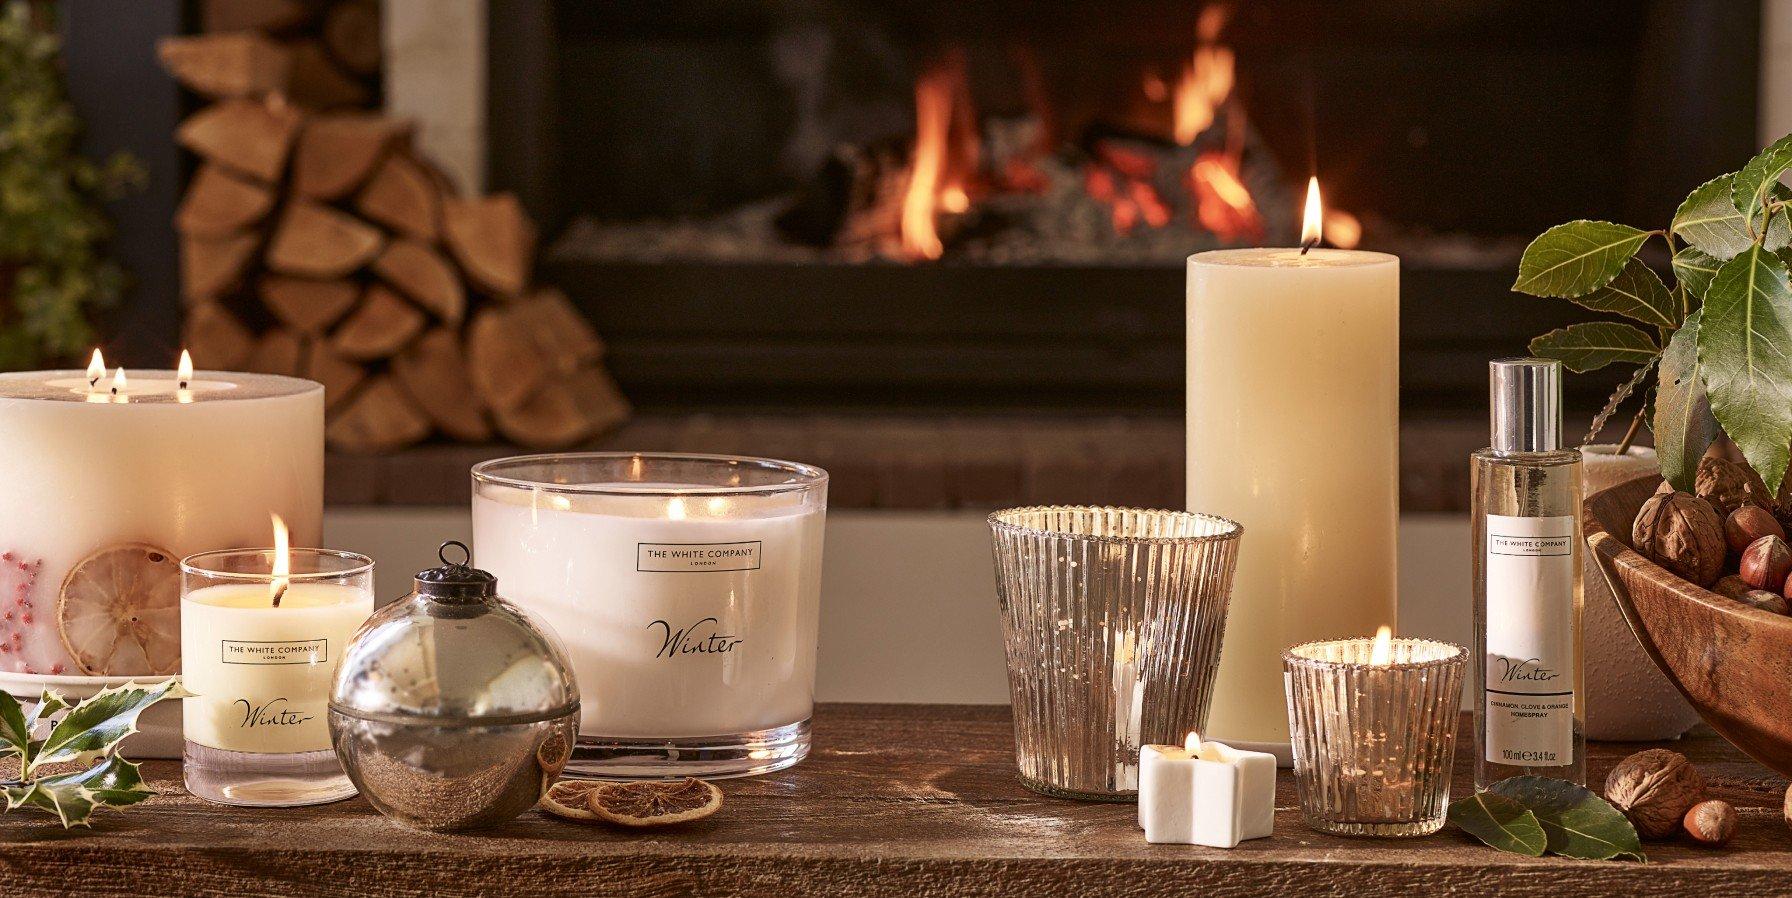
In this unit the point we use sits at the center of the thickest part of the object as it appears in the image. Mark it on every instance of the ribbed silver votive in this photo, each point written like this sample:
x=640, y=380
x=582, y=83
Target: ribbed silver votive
x=1112, y=619
x=1374, y=743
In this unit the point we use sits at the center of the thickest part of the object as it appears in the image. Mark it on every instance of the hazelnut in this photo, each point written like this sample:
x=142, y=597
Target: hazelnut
x=1655, y=789
x=1711, y=822
x=1729, y=486
x=1734, y=587
x=1681, y=532
x=1749, y=523
x=1766, y=563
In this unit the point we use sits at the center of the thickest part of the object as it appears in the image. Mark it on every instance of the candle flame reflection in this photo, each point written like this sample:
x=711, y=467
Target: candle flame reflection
x=675, y=508
x=1312, y=226
x=1382, y=653
x=282, y=561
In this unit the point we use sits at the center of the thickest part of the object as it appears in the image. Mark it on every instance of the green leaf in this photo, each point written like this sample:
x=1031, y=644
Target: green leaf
x=1758, y=177
x=1636, y=293
x=15, y=730
x=1576, y=258
x=1694, y=269
x=1618, y=396
x=1710, y=220
x=1500, y=822
x=96, y=725
x=72, y=804
x=1684, y=425
x=1577, y=823
x=48, y=704
x=1594, y=345
x=114, y=782
x=1744, y=338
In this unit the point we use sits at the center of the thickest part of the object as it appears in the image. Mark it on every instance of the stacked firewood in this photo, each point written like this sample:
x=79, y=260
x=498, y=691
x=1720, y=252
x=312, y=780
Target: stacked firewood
x=317, y=241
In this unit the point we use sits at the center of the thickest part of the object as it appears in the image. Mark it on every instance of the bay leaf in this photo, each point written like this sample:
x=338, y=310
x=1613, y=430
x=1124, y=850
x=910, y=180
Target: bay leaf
x=1684, y=426
x=1745, y=336
x=1577, y=823
x=1756, y=179
x=1694, y=268
x=1709, y=220
x=1596, y=344
x=1576, y=258
x=1500, y=822
x=1637, y=293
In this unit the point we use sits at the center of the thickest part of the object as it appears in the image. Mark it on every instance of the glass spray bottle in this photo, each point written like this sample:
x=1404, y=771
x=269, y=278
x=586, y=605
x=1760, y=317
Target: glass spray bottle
x=1529, y=702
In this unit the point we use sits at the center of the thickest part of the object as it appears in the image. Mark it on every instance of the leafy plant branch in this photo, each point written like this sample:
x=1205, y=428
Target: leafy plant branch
x=54, y=733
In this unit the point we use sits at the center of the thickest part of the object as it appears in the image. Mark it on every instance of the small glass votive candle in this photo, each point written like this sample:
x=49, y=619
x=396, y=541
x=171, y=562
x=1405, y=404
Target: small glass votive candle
x=1373, y=723
x=262, y=631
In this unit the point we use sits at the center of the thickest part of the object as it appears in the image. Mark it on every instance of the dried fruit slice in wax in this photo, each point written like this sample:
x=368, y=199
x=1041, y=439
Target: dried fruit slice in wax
x=567, y=799
x=654, y=804
x=119, y=612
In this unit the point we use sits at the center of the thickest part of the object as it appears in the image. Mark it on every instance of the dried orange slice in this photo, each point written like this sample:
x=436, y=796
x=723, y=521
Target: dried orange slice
x=119, y=612
x=655, y=803
x=566, y=798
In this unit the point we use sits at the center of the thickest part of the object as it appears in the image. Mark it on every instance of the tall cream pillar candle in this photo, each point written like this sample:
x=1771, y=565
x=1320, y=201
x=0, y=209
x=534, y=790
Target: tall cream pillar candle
x=1293, y=431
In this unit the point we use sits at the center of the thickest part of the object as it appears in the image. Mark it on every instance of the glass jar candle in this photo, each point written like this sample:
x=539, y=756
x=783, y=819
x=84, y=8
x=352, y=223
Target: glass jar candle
x=262, y=632
x=687, y=590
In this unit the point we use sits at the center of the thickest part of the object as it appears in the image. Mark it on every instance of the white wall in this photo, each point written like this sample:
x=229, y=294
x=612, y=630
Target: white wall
x=908, y=598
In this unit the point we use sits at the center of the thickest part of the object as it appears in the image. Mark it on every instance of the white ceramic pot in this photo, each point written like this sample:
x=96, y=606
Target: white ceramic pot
x=1628, y=698
x=158, y=735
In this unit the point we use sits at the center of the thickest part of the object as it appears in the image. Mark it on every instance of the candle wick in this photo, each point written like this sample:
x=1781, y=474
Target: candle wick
x=279, y=591
x=1308, y=244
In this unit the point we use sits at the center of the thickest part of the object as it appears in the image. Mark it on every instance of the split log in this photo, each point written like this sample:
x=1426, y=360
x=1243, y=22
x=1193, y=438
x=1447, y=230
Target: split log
x=211, y=266
x=378, y=418
x=315, y=81
x=216, y=339
x=305, y=305
x=255, y=15
x=565, y=411
x=317, y=241
x=421, y=273
x=338, y=375
x=403, y=196
x=336, y=153
x=559, y=333
x=379, y=328
x=493, y=240
x=219, y=203
x=434, y=372
x=250, y=136
x=352, y=35
x=239, y=64
x=279, y=351
x=504, y=365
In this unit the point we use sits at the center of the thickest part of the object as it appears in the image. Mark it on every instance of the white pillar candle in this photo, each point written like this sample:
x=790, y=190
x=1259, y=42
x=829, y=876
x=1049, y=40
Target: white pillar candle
x=1206, y=793
x=125, y=484
x=1293, y=431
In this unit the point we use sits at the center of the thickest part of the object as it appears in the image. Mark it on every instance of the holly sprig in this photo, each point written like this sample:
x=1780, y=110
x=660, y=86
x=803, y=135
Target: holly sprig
x=55, y=733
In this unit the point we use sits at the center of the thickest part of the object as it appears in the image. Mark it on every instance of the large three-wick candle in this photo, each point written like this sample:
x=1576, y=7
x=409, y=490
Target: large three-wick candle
x=111, y=481
x=1293, y=431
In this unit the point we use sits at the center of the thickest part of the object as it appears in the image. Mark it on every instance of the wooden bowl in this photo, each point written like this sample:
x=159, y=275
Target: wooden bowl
x=1731, y=661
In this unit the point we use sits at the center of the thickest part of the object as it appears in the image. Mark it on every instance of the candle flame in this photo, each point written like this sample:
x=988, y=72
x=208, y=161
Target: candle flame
x=1382, y=653
x=282, y=561
x=675, y=509
x=120, y=386
x=1312, y=228
x=1193, y=742
x=184, y=373
x=96, y=369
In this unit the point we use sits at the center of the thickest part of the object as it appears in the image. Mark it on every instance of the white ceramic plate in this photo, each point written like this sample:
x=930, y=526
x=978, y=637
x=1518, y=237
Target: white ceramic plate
x=158, y=733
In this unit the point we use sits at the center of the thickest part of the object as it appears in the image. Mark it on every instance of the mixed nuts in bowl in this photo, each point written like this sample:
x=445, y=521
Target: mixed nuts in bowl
x=1728, y=536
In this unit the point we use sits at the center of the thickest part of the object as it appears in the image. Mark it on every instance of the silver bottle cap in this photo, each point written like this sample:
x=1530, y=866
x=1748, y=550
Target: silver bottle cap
x=1527, y=404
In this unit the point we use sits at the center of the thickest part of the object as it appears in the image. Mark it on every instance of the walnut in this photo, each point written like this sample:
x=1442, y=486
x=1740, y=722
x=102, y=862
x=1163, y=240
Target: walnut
x=1729, y=486
x=1655, y=789
x=1682, y=533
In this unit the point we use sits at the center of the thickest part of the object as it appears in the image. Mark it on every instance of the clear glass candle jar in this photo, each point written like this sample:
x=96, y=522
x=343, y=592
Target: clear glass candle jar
x=259, y=646
x=687, y=591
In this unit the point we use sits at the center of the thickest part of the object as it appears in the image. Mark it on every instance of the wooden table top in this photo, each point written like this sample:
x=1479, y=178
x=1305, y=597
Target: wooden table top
x=896, y=800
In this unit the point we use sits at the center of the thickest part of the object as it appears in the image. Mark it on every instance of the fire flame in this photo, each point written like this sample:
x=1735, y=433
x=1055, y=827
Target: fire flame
x=1193, y=742
x=947, y=148
x=96, y=369
x=1223, y=205
x=120, y=387
x=282, y=561
x=1382, y=653
x=1206, y=80
x=1312, y=224
x=184, y=374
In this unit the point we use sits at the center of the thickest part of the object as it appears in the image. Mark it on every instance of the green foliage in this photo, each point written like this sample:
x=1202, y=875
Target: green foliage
x=1500, y=822
x=52, y=229
x=90, y=730
x=1721, y=345
x=1531, y=815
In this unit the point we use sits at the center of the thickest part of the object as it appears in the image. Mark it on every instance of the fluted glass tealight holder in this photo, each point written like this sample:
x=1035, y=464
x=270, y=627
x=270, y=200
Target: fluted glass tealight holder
x=1112, y=619
x=1374, y=743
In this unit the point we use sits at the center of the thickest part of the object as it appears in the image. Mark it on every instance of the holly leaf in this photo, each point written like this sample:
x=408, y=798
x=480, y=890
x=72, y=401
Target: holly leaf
x=114, y=782
x=96, y=725
x=1636, y=293
x=1576, y=258
x=1694, y=269
x=72, y=804
x=1500, y=822
x=1684, y=426
x=1710, y=220
x=15, y=729
x=48, y=704
x=1576, y=822
x=1594, y=345
x=1761, y=174
x=1744, y=337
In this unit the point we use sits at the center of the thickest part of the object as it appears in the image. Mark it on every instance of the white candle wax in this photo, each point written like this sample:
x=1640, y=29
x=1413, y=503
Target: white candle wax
x=176, y=470
x=1208, y=794
x=1293, y=431
x=683, y=616
x=261, y=674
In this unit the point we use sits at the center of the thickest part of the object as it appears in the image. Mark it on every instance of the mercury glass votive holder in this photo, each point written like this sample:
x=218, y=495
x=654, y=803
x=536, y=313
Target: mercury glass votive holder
x=1374, y=739
x=1112, y=619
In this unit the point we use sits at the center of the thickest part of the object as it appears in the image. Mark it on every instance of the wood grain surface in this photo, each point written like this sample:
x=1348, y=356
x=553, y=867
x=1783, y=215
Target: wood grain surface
x=896, y=800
